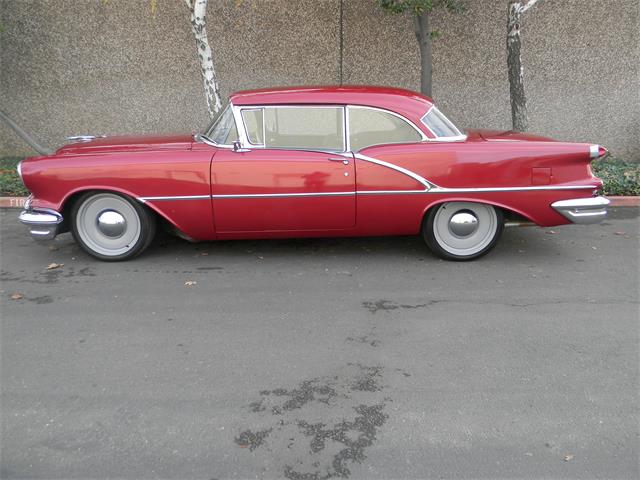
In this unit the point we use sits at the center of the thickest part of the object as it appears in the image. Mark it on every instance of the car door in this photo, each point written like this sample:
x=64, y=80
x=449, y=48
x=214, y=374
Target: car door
x=291, y=174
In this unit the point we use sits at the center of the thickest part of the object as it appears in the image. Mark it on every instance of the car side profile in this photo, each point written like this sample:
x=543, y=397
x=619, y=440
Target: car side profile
x=312, y=162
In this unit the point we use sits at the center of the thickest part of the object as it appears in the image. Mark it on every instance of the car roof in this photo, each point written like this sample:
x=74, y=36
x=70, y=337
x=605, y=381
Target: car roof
x=406, y=102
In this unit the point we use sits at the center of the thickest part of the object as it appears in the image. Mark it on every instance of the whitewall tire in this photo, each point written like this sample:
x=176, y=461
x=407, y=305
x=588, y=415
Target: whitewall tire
x=462, y=230
x=110, y=226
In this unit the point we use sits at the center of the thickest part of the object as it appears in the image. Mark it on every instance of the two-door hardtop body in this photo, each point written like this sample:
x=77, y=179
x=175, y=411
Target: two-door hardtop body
x=311, y=162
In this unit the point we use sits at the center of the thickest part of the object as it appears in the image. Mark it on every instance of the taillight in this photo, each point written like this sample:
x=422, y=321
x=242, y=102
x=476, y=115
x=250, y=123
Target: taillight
x=597, y=151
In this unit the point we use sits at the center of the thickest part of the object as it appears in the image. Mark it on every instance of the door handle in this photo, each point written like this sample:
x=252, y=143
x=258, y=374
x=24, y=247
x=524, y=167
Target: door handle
x=341, y=159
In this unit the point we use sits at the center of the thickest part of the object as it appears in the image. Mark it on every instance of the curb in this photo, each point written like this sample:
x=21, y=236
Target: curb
x=18, y=202
x=12, y=202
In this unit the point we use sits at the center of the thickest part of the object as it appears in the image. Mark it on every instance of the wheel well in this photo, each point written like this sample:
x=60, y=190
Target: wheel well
x=509, y=215
x=67, y=206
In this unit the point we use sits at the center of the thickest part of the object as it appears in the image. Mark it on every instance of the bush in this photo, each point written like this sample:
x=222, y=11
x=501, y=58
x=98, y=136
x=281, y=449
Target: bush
x=10, y=183
x=619, y=177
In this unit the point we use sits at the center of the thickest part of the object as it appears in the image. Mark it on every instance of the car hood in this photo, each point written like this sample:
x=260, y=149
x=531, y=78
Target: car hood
x=502, y=136
x=127, y=144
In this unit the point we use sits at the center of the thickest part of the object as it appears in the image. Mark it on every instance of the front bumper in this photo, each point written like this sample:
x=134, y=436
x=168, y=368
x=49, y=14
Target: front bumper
x=44, y=224
x=583, y=210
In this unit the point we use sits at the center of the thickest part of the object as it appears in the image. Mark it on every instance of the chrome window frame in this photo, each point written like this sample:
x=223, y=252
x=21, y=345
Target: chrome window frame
x=245, y=137
x=198, y=137
x=454, y=138
x=244, y=126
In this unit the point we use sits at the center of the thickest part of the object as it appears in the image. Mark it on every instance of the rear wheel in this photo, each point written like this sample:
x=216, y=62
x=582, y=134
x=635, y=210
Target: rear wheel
x=462, y=230
x=110, y=226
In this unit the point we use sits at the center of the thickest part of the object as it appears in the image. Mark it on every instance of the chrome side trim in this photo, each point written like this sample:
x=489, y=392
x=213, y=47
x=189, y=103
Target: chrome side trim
x=392, y=166
x=435, y=190
x=43, y=223
x=285, y=195
x=175, y=197
x=509, y=189
x=583, y=210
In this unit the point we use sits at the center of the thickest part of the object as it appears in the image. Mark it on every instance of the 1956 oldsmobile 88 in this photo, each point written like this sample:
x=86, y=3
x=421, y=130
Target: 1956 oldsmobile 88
x=312, y=162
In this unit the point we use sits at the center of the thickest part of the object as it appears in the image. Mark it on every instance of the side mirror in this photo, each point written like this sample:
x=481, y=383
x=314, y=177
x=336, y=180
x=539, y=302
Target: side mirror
x=238, y=148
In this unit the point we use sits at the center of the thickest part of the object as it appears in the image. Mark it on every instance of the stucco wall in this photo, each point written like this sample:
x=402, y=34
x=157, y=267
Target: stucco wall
x=111, y=66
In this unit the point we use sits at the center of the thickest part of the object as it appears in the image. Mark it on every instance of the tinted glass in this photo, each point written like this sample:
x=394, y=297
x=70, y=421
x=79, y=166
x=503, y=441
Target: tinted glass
x=224, y=130
x=374, y=127
x=313, y=128
x=440, y=125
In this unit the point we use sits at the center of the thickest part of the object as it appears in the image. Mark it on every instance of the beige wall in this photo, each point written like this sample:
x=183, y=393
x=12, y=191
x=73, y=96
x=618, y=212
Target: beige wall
x=111, y=66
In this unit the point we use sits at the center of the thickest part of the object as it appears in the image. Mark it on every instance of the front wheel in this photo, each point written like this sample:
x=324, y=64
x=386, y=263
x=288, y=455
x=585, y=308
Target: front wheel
x=110, y=226
x=462, y=230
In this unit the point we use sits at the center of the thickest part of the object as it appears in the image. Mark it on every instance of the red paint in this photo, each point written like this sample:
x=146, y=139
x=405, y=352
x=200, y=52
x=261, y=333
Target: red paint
x=177, y=166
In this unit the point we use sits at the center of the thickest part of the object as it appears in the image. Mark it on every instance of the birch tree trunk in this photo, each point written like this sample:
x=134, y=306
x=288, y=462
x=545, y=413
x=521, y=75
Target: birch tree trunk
x=423, y=35
x=518, y=98
x=198, y=10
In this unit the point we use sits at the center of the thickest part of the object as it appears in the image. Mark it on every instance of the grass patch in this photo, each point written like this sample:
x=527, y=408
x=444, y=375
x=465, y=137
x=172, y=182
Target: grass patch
x=10, y=183
x=619, y=177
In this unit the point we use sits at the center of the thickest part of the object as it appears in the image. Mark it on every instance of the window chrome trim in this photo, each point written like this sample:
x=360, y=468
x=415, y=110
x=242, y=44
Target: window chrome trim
x=245, y=137
x=244, y=125
x=454, y=138
x=423, y=137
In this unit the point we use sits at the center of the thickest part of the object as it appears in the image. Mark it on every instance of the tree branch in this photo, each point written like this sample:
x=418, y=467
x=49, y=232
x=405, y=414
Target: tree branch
x=528, y=5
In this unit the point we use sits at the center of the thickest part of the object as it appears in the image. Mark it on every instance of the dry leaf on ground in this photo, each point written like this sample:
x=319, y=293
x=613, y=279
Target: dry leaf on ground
x=190, y=283
x=53, y=266
x=568, y=457
x=16, y=296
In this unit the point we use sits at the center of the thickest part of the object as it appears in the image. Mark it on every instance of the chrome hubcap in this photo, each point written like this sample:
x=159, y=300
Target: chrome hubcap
x=111, y=223
x=463, y=223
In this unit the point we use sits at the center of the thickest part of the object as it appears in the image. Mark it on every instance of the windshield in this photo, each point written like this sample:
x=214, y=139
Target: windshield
x=440, y=126
x=223, y=129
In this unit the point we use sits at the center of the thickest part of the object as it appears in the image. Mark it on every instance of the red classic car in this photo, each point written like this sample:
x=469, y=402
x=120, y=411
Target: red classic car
x=312, y=162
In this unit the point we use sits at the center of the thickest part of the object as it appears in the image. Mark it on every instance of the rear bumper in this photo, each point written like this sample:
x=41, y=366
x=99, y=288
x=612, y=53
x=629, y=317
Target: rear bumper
x=44, y=224
x=583, y=210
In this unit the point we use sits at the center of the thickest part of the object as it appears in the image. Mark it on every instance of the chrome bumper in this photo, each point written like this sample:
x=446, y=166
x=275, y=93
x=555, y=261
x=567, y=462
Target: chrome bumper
x=583, y=210
x=43, y=224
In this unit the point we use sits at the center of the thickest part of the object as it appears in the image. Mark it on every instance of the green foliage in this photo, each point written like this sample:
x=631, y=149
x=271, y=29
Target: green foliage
x=418, y=7
x=619, y=177
x=10, y=183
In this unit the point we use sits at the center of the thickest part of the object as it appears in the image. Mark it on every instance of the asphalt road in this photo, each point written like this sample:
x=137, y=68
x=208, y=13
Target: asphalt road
x=314, y=359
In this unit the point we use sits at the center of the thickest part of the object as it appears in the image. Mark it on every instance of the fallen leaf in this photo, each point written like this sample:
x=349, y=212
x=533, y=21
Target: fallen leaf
x=53, y=266
x=190, y=283
x=16, y=296
x=551, y=232
x=568, y=457
x=620, y=233
x=53, y=248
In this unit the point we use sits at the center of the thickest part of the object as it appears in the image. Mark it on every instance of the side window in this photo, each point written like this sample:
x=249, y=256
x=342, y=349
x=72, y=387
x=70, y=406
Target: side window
x=314, y=128
x=374, y=127
x=253, y=122
x=223, y=131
